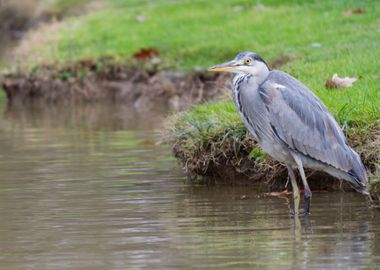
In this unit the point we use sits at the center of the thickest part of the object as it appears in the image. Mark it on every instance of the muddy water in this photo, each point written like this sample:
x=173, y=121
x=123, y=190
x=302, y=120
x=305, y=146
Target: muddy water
x=88, y=188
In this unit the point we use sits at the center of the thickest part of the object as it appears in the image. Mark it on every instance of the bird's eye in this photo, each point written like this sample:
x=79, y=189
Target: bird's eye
x=247, y=61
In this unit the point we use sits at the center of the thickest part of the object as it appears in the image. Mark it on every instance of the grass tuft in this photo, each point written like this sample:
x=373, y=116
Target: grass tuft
x=212, y=144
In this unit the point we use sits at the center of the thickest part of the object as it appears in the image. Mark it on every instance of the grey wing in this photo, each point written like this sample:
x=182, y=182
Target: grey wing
x=301, y=121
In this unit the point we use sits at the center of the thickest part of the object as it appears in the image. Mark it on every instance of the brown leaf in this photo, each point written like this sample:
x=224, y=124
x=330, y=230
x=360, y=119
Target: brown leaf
x=337, y=82
x=146, y=53
x=357, y=11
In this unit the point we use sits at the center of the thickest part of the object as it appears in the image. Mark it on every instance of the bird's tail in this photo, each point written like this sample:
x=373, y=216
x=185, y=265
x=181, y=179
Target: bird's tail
x=358, y=174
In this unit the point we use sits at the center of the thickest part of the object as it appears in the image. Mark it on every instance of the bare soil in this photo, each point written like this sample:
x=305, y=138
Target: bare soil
x=107, y=81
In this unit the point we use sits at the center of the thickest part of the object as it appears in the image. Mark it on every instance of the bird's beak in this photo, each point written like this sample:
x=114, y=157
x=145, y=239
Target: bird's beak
x=228, y=67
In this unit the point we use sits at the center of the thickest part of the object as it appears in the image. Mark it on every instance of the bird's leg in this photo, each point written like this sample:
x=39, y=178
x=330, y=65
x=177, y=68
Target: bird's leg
x=307, y=191
x=296, y=191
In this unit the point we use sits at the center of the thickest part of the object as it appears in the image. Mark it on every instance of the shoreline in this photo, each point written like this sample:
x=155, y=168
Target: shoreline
x=231, y=156
x=106, y=80
x=225, y=155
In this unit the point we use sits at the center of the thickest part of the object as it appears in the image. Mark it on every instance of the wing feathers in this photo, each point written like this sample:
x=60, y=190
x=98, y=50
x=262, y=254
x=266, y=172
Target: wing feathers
x=303, y=122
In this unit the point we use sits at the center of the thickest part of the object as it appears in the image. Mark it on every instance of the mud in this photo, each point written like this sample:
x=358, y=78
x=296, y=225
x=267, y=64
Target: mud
x=13, y=20
x=137, y=83
x=107, y=81
x=227, y=160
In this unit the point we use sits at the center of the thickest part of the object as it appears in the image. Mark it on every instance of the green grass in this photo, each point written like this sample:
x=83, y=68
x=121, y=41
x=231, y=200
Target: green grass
x=205, y=122
x=202, y=33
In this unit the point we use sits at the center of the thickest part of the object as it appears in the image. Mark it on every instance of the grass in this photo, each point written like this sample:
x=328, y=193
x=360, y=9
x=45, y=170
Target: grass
x=207, y=121
x=189, y=36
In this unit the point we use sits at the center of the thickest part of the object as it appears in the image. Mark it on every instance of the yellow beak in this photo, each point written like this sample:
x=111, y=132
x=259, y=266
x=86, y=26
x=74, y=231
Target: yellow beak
x=227, y=67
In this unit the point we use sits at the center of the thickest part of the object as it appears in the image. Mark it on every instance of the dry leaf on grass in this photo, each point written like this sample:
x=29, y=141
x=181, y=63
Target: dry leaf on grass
x=146, y=54
x=357, y=11
x=337, y=82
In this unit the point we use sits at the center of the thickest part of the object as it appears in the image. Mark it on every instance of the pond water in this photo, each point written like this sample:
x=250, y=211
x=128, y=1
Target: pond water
x=89, y=188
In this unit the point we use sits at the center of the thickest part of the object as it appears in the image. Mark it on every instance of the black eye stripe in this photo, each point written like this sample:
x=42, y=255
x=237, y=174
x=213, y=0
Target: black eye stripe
x=252, y=56
x=258, y=58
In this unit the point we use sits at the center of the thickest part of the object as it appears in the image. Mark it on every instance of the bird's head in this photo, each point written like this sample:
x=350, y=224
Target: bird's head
x=244, y=62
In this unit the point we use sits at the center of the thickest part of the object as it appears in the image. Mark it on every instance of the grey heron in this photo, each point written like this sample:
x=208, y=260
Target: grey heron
x=291, y=124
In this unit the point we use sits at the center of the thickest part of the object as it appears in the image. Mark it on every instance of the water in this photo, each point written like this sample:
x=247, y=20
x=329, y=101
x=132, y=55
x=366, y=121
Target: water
x=88, y=188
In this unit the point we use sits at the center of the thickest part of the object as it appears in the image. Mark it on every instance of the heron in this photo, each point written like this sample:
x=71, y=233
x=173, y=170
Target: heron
x=291, y=124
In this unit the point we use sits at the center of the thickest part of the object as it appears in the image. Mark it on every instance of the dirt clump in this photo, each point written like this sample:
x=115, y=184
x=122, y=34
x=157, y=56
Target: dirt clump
x=229, y=161
x=281, y=60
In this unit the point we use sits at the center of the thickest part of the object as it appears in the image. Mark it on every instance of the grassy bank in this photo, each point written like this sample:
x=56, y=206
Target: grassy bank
x=319, y=36
x=212, y=144
x=211, y=137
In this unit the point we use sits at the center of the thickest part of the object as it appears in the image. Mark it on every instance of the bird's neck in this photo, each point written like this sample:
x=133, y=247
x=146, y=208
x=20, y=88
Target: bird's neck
x=261, y=75
x=258, y=73
x=255, y=79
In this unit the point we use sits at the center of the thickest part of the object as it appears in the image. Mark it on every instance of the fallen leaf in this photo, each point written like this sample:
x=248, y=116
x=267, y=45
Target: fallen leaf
x=337, y=82
x=146, y=53
x=349, y=13
x=278, y=194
